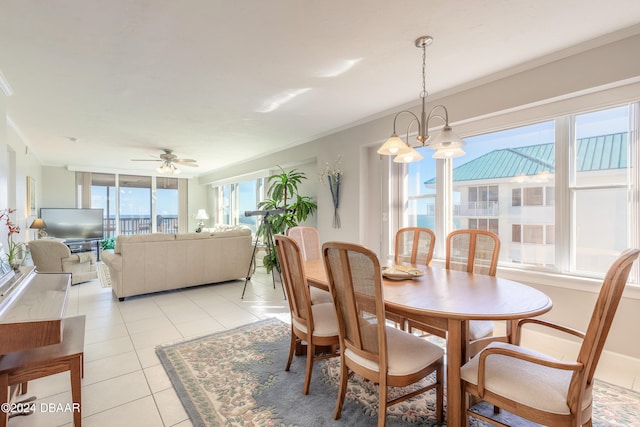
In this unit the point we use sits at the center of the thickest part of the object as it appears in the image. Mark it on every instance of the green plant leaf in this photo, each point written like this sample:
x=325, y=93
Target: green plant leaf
x=283, y=194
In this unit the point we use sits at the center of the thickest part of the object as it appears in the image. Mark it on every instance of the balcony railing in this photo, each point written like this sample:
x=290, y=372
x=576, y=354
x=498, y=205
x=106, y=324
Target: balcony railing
x=478, y=209
x=140, y=225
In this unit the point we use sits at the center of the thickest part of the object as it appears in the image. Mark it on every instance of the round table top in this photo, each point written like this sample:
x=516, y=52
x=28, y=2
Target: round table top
x=456, y=294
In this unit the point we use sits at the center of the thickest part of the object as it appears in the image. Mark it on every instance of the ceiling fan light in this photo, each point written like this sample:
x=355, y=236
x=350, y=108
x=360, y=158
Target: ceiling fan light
x=394, y=146
x=168, y=168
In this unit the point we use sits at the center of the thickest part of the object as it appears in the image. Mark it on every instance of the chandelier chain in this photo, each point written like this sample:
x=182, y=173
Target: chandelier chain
x=424, y=93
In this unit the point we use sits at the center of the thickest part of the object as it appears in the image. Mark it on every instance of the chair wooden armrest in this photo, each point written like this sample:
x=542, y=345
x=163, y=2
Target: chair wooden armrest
x=551, y=363
x=540, y=322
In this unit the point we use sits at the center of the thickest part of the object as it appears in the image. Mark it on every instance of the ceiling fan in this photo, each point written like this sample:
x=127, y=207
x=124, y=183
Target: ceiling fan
x=169, y=160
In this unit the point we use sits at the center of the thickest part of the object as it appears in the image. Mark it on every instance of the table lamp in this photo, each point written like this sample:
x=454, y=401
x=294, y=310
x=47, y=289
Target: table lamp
x=201, y=216
x=39, y=224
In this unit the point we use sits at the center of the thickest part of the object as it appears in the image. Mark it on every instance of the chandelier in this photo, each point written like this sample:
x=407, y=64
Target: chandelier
x=446, y=144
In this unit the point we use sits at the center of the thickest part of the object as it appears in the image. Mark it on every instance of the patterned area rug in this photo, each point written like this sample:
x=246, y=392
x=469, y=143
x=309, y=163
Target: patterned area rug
x=103, y=274
x=237, y=378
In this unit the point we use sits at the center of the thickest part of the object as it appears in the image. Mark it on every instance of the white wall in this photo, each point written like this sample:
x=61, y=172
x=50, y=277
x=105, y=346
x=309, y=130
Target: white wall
x=58, y=188
x=196, y=199
x=20, y=163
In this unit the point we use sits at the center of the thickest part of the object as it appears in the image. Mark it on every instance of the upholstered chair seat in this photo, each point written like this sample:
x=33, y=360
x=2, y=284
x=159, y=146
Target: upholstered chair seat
x=406, y=354
x=319, y=296
x=537, y=386
x=325, y=320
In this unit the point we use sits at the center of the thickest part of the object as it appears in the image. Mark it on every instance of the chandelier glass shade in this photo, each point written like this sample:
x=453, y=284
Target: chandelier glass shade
x=447, y=144
x=394, y=146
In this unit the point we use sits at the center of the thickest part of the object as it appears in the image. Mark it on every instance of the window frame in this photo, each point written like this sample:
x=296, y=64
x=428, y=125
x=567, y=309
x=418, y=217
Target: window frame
x=561, y=111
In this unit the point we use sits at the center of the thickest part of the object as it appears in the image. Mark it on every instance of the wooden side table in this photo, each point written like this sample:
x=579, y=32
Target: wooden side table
x=22, y=366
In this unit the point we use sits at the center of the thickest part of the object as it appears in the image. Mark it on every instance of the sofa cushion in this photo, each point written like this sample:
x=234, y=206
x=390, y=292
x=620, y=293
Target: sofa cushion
x=224, y=230
x=192, y=236
x=140, y=238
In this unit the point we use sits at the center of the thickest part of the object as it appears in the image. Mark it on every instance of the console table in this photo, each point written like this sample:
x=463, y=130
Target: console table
x=38, y=340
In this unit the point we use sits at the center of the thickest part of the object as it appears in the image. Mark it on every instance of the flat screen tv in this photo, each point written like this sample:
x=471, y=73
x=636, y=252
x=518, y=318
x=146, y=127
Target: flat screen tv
x=73, y=224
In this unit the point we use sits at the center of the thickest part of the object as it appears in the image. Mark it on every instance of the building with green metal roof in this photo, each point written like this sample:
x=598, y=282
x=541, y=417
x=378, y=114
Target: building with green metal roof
x=511, y=191
x=595, y=153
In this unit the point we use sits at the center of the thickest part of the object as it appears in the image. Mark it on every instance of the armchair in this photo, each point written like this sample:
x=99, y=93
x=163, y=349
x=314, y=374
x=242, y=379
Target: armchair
x=538, y=387
x=52, y=256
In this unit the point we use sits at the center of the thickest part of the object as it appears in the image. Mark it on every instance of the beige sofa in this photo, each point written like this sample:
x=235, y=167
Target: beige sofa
x=144, y=263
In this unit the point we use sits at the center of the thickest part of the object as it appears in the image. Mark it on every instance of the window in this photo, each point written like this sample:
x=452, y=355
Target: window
x=510, y=168
x=233, y=200
x=421, y=191
x=484, y=224
x=247, y=201
x=129, y=200
x=516, y=233
x=599, y=188
x=516, y=197
x=550, y=238
x=103, y=196
x=167, y=203
x=546, y=220
x=135, y=204
x=532, y=234
x=533, y=196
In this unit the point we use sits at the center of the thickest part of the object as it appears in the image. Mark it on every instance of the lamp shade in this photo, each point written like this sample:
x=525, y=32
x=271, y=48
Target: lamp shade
x=202, y=214
x=446, y=140
x=448, y=153
x=410, y=157
x=394, y=146
x=38, y=224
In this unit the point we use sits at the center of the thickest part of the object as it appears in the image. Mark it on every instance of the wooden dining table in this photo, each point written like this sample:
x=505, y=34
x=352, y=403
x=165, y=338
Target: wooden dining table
x=448, y=299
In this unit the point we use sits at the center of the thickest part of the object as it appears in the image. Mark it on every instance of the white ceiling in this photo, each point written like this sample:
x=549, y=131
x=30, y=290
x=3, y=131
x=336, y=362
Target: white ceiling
x=126, y=78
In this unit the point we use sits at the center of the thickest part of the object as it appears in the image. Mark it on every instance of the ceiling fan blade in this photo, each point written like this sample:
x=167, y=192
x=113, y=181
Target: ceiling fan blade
x=184, y=161
x=147, y=160
x=193, y=165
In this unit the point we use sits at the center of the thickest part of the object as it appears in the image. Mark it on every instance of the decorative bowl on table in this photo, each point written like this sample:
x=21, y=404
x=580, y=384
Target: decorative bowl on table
x=401, y=272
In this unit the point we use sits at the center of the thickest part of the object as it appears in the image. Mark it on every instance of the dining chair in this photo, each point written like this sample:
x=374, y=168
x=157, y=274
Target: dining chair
x=308, y=240
x=473, y=251
x=413, y=245
x=317, y=324
x=541, y=388
x=369, y=347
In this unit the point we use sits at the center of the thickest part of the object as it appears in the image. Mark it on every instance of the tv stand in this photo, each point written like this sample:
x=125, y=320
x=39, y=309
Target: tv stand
x=77, y=246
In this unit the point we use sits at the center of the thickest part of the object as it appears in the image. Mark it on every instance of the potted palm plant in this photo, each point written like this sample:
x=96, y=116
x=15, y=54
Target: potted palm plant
x=282, y=194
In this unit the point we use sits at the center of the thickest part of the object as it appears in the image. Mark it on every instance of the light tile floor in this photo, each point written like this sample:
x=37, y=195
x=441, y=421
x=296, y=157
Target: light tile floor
x=124, y=383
